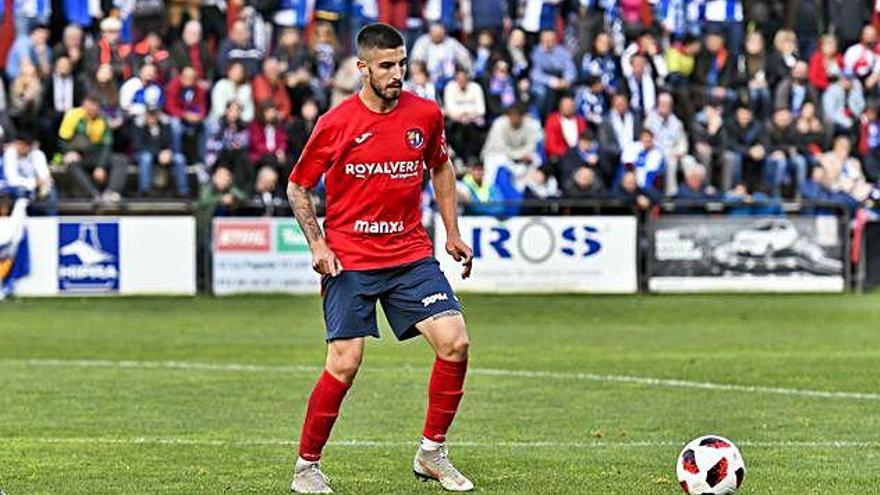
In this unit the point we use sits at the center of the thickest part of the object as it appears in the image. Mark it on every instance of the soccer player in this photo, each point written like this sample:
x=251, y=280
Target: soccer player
x=373, y=149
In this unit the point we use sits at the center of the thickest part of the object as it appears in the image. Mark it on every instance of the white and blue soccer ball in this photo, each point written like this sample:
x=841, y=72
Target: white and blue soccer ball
x=710, y=465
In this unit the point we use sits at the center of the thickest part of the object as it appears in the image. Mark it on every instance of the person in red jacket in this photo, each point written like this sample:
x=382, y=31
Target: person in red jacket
x=268, y=137
x=826, y=61
x=268, y=86
x=562, y=129
x=186, y=104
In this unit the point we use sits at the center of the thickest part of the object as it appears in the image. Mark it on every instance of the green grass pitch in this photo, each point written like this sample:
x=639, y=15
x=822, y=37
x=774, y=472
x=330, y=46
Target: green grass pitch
x=206, y=396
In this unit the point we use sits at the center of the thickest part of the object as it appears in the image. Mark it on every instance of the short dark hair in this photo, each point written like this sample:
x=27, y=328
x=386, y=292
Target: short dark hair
x=378, y=35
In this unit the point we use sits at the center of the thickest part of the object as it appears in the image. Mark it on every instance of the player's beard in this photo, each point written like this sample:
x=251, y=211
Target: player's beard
x=383, y=93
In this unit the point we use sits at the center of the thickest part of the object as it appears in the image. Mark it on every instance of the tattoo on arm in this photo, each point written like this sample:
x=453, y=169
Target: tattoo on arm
x=443, y=314
x=304, y=211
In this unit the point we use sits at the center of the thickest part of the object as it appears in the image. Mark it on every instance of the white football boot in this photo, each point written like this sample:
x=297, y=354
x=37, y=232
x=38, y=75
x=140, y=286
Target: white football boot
x=435, y=465
x=308, y=478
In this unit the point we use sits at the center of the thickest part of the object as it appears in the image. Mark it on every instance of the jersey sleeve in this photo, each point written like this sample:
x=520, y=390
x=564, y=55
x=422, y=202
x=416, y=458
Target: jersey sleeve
x=316, y=157
x=436, y=153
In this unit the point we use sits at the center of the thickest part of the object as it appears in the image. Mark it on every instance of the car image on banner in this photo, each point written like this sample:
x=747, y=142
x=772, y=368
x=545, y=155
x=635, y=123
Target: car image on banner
x=545, y=254
x=88, y=257
x=692, y=253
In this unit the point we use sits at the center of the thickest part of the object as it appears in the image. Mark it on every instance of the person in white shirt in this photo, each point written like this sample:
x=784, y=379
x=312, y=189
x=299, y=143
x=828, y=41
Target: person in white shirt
x=670, y=138
x=440, y=54
x=465, y=109
x=26, y=171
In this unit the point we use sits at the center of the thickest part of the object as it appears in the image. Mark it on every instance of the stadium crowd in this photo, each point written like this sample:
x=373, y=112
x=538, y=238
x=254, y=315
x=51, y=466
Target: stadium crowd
x=637, y=100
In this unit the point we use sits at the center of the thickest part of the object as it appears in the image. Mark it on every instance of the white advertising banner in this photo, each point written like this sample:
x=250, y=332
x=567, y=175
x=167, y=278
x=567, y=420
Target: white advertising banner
x=588, y=254
x=110, y=255
x=256, y=255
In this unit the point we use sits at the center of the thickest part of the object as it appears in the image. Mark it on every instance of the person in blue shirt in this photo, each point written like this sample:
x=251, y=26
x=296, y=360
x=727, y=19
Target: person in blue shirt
x=553, y=71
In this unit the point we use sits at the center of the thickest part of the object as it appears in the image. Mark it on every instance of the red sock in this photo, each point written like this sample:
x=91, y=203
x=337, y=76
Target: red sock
x=444, y=394
x=321, y=414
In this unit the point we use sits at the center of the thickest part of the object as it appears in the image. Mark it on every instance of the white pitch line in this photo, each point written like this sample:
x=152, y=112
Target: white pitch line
x=593, y=377
x=202, y=442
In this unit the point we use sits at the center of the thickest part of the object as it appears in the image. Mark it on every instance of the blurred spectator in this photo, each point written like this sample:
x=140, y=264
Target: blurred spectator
x=747, y=146
x=783, y=159
x=86, y=142
x=29, y=14
x=239, y=46
x=584, y=154
x=726, y=15
x=268, y=86
x=61, y=92
x=499, y=88
x=539, y=185
x=562, y=129
x=26, y=96
x=670, y=138
x=25, y=169
x=826, y=62
x=869, y=142
x=491, y=16
x=843, y=173
x=299, y=131
x=151, y=50
x=810, y=134
x=72, y=47
x=147, y=16
x=141, y=91
x=219, y=197
x=513, y=140
x=707, y=133
x=646, y=161
x=478, y=195
x=264, y=188
x=465, y=110
x=484, y=53
x=291, y=53
x=590, y=102
x=32, y=48
x=517, y=50
x=325, y=51
x=792, y=92
x=695, y=186
x=228, y=145
x=186, y=106
x=619, y=131
x=104, y=87
x=680, y=59
x=640, y=87
x=781, y=60
x=192, y=51
x=627, y=190
x=600, y=62
x=861, y=58
x=847, y=17
x=583, y=183
x=152, y=142
x=235, y=86
x=646, y=46
x=552, y=71
x=346, y=82
x=268, y=138
x=843, y=102
x=109, y=50
x=714, y=69
x=753, y=75
x=440, y=54
x=419, y=82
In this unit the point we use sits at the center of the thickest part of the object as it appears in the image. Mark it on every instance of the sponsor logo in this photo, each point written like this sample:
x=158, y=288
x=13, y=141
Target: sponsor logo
x=244, y=236
x=536, y=242
x=363, y=137
x=433, y=298
x=88, y=257
x=400, y=169
x=415, y=138
x=289, y=238
x=367, y=227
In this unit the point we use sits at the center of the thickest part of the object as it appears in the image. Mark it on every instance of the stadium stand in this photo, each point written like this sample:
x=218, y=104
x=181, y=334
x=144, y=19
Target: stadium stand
x=137, y=104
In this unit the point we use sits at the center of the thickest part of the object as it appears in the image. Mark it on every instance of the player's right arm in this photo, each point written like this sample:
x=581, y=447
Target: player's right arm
x=315, y=158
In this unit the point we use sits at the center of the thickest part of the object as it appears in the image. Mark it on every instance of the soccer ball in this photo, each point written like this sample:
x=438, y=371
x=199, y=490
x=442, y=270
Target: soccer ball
x=710, y=465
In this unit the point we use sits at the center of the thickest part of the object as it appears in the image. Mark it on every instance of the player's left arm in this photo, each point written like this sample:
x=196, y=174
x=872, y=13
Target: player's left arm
x=443, y=180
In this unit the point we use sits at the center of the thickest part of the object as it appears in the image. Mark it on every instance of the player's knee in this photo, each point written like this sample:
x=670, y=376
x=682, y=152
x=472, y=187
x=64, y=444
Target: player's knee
x=456, y=349
x=344, y=366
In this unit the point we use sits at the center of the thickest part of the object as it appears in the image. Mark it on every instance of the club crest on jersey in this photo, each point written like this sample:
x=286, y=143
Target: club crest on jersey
x=415, y=138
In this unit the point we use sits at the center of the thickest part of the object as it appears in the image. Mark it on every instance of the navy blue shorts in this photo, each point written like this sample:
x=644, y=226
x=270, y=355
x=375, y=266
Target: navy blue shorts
x=408, y=293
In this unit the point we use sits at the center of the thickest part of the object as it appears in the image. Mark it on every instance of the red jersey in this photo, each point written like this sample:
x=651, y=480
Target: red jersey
x=374, y=164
